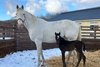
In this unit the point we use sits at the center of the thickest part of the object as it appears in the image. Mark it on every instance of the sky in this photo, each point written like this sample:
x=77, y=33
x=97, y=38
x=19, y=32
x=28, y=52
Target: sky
x=44, y=7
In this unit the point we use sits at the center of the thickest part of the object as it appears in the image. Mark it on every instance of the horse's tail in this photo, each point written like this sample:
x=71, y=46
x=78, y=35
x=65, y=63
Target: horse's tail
x=83, y=45
x=79, y=34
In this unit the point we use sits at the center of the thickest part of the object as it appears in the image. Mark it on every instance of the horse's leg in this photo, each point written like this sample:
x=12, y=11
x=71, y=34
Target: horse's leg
x=79, y=58
x=42, y=56
x=39, y=50
x=74, y=57
x=63, y=58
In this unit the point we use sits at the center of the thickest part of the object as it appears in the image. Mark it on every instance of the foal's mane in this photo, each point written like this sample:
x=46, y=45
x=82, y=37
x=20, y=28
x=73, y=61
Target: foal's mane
x=61, y=38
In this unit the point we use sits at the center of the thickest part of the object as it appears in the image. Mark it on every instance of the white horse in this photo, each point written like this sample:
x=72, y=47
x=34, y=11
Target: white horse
x=43, y=31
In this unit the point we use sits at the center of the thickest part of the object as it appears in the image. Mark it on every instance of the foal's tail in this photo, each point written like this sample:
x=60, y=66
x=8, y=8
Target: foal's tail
x=83, y=45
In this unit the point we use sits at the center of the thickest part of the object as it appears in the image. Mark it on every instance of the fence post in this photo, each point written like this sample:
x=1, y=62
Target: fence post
x=4, y=34
x=94, y=33
x=15, y=36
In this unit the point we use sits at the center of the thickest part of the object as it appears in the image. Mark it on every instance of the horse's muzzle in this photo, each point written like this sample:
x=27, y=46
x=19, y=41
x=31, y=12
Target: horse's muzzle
x=21, y=19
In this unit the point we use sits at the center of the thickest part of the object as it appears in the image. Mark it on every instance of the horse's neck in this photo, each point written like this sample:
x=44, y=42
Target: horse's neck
x=30, y=20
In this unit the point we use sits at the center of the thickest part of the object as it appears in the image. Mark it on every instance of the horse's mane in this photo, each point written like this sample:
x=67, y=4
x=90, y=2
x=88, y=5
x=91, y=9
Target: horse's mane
x=33, y=16
x=26, y=12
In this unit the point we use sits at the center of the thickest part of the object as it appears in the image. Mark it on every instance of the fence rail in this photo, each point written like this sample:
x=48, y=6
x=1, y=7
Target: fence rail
x=18, y=39
x=91, y=36
x=7, y=38
x=92, y=31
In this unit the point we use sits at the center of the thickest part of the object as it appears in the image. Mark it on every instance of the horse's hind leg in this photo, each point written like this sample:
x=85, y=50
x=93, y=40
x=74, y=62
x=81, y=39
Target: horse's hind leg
x=74, y=57
x=70, y=52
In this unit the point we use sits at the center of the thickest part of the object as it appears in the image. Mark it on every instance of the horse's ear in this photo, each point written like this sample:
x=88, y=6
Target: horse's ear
x=22, y=7
x=17, y=7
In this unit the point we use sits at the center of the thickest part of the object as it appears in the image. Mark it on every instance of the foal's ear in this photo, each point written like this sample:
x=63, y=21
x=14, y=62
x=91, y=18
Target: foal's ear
x=55, y=33
x=22, y=7
x=17, y=7
x=59, y=33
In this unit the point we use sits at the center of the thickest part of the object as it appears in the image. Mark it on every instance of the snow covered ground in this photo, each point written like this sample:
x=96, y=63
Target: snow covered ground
x=26, y=58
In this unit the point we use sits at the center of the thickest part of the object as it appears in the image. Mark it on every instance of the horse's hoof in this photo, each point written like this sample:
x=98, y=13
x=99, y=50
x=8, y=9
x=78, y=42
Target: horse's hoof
x=43, y=65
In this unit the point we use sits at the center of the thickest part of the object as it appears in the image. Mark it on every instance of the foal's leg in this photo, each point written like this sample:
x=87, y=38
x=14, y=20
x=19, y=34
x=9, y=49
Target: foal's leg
x=84, y=59
x=79, y=58
x=63, y=58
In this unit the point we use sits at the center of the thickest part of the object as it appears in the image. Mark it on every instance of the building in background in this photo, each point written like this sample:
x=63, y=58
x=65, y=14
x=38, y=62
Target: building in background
x=86, y=16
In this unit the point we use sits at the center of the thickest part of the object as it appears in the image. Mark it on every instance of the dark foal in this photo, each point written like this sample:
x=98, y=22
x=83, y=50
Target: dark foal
x=66, y=45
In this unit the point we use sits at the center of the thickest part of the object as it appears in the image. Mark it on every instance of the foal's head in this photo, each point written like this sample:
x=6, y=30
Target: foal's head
x=57, y=36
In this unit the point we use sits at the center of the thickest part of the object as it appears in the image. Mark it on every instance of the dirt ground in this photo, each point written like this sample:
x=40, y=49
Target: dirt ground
x=92, y=60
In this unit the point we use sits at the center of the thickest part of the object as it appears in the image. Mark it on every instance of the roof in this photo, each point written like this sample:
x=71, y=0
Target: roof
x=9, y=21
x=92, y=13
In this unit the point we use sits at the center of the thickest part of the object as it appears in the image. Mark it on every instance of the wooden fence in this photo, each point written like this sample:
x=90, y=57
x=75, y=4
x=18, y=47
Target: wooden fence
x=7, y=38
x=91, y=36
x=24, y=42
x=14, y=39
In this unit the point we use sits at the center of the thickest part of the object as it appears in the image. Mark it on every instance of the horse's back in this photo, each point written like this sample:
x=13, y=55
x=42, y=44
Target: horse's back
x=66, y=27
